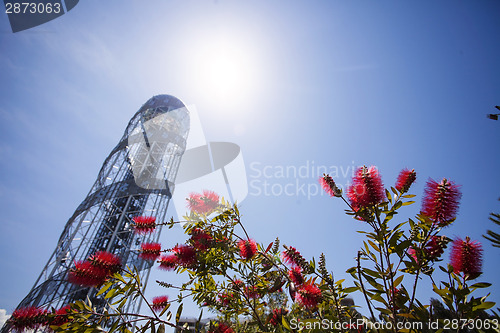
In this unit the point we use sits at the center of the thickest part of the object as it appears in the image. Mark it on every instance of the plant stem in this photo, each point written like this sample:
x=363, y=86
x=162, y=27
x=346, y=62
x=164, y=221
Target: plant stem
x=363, y=287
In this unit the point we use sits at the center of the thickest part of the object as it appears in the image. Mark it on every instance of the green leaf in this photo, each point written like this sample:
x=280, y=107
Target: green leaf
x=112, y=292
x=398, y=280
x=374, y=245
x=285, y=324
x=178, y=315
x=485, y=306
x=153, y=329
x=161, y=328
x=350, y=290
x=164, y=310
x=104, y=288
x=389, y=196
x=481, y=285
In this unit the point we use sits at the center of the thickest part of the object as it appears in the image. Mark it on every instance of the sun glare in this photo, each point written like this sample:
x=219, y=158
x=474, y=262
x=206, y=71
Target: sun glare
x=225, y=70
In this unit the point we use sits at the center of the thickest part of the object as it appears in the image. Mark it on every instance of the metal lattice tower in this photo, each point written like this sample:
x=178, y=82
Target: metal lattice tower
x=137, y=178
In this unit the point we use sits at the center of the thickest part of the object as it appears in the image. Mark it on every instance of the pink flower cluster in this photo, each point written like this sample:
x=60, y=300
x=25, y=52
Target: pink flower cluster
x=248, y=248
x=183, y=256
x=466, y=257
x=34, y=318
x=144, y=224
x=432, y=250
x=276, y=315
x=405, y=179
x=203, y=203
x=305, y=293
x=441, y=201
x=150, y=251
x=95, y=270
x=367, y=188
x=159, y=303
x=220, y=328
x=29, y=318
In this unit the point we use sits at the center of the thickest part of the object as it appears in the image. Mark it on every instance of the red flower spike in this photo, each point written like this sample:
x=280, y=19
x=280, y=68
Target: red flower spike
x=86, y=274
x=435, y=247
x=159, y=303
x=405, y=179
x=150, y=251
x=186, y=255
x=441, y=201
x=367, y=188
x=412, y=253
x=144, y=224
x=296, y=276
x=30, y=318
x=308, y=295
x=276, y=316
x=110, y=262
x=169, y=262
x=329, y=186
x=394, y=298
x=466, y=257
x=221, y=328
x=61, y=317
x=203, y=203
x=432, y=250
x=251, y=292
x=238, y=284
x=225, y=298
x=293, y=257
x=200, y=239
x=248, y=248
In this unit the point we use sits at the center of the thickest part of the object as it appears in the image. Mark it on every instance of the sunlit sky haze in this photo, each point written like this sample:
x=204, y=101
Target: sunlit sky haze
x=309, y=84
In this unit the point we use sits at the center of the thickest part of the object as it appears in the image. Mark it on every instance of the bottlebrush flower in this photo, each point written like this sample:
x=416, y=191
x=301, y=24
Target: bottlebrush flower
x=395, y=298
x=329, y=186
x=220, y=328
x=186, y=255
x=435, y=247
x=169, y=262
x=248, y=248
x=30, y=318
x=238, y=284
x=432, y=250
x=413, y=253
x=405, y=179
x=275, y=318
x=159, y=303
x=61, y=317
x=144, y=224
x=293, y=257
x=309, y=295
x=367, y=188
x=225, y=298
x=150, y=251
x=86, y=274
x=251, y=292
x=203, y=203
x=110, y=262
x=441, y=201
x=200, y=239
x=296, y=276
x=466, y=257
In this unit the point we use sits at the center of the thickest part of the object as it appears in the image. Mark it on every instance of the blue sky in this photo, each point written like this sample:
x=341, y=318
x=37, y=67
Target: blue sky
x=325, y=83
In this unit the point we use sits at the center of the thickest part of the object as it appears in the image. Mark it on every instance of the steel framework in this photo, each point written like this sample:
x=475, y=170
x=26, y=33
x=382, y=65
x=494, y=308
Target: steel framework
x=137, y=178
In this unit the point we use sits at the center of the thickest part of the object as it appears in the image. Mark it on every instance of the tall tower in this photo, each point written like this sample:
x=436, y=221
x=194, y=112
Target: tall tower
x=137, y=178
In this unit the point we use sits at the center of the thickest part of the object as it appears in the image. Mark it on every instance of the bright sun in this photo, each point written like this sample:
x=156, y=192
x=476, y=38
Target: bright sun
x=225, y=69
